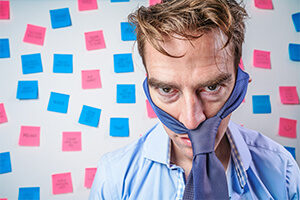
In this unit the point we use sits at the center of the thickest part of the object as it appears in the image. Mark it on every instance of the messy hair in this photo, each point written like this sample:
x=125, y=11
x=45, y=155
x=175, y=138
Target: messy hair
x=190, y=19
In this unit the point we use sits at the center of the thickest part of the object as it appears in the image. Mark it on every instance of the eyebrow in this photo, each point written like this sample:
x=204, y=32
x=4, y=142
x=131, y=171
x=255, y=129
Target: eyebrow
x=220, y=79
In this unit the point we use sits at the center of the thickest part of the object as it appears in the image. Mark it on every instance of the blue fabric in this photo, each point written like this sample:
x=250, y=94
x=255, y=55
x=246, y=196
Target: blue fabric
x=207, y=179
x=142, y=169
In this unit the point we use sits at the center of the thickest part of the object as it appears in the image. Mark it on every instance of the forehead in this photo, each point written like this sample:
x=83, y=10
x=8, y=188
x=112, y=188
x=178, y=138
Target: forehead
x=202, y=52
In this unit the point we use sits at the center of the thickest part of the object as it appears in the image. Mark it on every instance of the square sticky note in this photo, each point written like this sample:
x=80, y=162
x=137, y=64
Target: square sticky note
x=58, y=102
x=123, y=63
x=261, y=104
x=115, y=1
x=26, y=193
x=90, y=116
x=89, y=177
x=153, y=2
x=31, y=63
x=263, y=4
x=94, y=40
x=292, y=150
x=5, y=163
x=29, y=136
x=296, y=21
x=91, y=79
x=3, y=117
x=241, y=64
x=126, y=93
x=35, y=34
x=60, y=18
x=27, y=90
x=119, y=127
x=127, y=31
x=71, y=141
x=87, y=5
x=62, y=183
x=4, y=10
x=287, y=127
x=261, y=59
x=62, y=63
x=288, y=95
x=3, y=199
x=4, y=48
x=294, y=52
x=150, y=111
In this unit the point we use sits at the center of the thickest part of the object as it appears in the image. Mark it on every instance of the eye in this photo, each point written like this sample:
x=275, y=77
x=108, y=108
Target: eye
x=212, y=88
x=165, y=90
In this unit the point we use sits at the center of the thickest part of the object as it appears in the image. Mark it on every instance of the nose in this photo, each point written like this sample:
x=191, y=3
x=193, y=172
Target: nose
x=191, y=114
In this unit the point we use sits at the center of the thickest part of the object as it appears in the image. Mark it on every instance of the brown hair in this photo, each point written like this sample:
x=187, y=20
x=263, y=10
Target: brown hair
x=190, y=19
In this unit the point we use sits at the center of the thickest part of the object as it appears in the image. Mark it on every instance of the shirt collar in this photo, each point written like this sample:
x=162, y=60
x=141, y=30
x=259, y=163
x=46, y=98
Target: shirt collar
x=157, y=145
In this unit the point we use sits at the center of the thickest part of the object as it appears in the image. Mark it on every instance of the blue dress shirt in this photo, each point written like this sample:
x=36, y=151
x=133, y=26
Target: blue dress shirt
x=260, y=169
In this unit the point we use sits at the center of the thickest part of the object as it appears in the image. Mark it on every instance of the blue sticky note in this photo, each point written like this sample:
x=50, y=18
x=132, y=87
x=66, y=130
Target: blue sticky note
x=60, y=18
x=126, y=93
x=123, y=63
x=58, y=102
x=4, y=48
x=114, y=1
x=294, y=52
x=296, y=20
x=5, y=163
x=27, y=90
x=26, y=193
x=127, y=31
x=261, y=104
x=90, y=116
x=119, y=127
x=292, y=150
x=63, y=63
x=31, y=63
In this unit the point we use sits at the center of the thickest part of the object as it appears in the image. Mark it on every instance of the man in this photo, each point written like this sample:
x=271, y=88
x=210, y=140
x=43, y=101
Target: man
x=191, y=50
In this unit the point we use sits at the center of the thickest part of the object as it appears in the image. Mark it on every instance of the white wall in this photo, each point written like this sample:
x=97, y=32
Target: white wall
x=33, y=166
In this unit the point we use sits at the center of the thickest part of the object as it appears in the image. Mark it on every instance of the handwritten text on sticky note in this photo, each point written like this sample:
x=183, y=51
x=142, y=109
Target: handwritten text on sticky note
x=3, y=116
x=94, y=40
x=89, y=177
x=287, y=127
x=60, y=18
x=261, y=59
x=91, y=79
x=288, y=95
x=123, y=63
x=62, y=183
x=62, y=63
x=119, y=127
x=58, y=102
x=29, y=136
x=127, y=31
x=90, y=116
x=125, y=93
x=31, y=63
x=27, y=90
x=87, y=5
x=35, y=34
x=71, y=141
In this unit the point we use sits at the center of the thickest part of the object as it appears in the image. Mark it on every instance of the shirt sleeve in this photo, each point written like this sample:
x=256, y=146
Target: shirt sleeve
x=293, y=179
x=101, y=188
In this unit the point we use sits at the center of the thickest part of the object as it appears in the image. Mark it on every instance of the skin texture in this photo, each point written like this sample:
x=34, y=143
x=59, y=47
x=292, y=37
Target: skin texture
x=192, y=88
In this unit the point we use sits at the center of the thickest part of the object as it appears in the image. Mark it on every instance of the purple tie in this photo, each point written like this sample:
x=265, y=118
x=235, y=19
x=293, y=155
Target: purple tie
x=207, y=179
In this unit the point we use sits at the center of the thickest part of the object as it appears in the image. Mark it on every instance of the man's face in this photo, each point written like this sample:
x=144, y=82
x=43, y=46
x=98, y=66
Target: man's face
x=191, y=88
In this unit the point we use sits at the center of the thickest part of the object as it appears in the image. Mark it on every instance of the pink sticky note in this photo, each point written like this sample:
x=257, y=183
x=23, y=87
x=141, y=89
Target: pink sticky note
x=264, y=4
x=153, y=2
x=90, y=79
x=29, y=136
x=94, y=40
x=287, y=127
x=35, y=34
x=62, y=183
x=89, y=177
x=71, y=141
x=87, y=5
x=241, y=65
x=4, y=10
x=3, y=199
x=3, y=117
x=288, y=95
x=150, y=112
x=262, y=59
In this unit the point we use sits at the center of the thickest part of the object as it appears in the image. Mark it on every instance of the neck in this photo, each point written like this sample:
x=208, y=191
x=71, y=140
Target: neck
x=222, y=152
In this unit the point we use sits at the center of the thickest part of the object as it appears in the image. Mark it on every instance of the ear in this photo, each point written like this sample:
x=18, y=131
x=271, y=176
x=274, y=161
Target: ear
x=250, y=80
